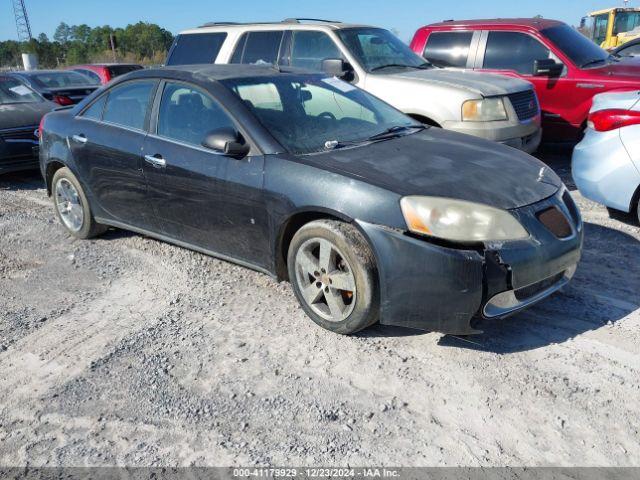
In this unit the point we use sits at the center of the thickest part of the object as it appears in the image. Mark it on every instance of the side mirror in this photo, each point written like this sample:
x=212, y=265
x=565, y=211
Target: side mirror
x=227, y=141
x=548, y=67
x=336, y=67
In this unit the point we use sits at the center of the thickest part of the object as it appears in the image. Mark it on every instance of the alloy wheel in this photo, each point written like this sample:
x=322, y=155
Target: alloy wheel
x=325, y=279
x=69, y=205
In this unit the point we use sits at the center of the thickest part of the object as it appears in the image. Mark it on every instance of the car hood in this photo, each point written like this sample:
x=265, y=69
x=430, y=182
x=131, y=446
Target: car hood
x=627, y=69
x=23, y=114
x=442, y=163
x=484, y=84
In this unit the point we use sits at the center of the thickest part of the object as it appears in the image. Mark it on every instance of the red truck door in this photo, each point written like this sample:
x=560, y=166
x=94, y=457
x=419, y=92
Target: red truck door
x=514, y=53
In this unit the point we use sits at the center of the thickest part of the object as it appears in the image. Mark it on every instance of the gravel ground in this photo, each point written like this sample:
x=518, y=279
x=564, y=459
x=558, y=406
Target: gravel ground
x=127, y=351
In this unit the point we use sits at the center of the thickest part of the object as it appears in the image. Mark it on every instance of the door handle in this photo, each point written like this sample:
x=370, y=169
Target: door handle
x=155, y=160
x=79, y=138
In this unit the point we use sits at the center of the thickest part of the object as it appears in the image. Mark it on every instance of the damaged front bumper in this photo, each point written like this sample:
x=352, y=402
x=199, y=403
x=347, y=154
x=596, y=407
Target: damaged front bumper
x=442, y=288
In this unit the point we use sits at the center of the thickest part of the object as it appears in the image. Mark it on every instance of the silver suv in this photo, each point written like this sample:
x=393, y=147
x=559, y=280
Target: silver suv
x=494, y=107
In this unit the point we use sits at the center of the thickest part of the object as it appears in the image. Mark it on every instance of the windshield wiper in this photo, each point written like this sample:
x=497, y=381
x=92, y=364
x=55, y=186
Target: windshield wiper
x=392, y=132
x=422, y=66
x=593, y=62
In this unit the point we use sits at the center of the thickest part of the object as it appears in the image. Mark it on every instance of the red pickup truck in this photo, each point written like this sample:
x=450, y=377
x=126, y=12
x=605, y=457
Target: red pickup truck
x=566, y=68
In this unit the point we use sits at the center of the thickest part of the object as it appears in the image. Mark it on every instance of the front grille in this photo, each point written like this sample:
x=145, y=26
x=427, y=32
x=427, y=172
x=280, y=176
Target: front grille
x=21, y=133
x=555, y=221
x=531, y=290
x=525, y=104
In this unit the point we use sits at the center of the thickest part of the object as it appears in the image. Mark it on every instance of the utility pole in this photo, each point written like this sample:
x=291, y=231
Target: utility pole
x=22, y=20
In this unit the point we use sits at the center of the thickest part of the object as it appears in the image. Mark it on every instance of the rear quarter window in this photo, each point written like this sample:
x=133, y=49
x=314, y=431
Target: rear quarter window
x=197, y=48
x=258, y=47
x=448, y=49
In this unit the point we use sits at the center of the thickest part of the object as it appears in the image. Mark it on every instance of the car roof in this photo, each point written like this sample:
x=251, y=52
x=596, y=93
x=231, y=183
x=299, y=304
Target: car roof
x=112, y=64
x=39, y=72
x=630, y=43
x=534, y=23
x=215, y=72
x=287, y=24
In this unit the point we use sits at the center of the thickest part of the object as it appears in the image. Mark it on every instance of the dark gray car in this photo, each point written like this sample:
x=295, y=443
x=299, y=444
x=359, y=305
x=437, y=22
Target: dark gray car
x=370, y=214
x=21, y=110
x=60, y=86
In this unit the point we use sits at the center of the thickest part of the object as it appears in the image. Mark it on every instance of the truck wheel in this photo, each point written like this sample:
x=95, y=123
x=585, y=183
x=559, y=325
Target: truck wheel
x=72, y=206
x=334, y=276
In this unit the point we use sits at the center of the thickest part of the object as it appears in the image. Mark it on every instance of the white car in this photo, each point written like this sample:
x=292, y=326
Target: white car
x=493, y=107
x=606, y=163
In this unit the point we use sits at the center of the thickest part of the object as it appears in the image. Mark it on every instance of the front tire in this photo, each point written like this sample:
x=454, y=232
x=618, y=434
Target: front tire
x=72, y=207
x=333, y=274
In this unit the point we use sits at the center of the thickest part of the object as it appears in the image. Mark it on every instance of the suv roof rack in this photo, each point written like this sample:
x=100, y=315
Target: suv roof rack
x=286, y=20
x=300, y=20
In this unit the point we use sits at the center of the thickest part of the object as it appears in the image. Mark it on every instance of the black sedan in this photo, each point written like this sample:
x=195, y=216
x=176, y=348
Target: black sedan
x=59, y=86
x=21, y=110
x=369, y=214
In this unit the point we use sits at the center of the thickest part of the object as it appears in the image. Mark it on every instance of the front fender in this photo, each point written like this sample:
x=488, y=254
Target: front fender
x=423, y=285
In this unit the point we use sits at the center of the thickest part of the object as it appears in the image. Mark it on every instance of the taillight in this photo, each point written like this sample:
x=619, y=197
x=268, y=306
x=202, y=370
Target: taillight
x=606, y=120
x=62, y=100
x=41, y=126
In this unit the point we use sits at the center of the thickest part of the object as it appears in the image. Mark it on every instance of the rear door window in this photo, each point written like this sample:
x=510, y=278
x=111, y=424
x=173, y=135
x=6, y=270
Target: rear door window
x=258, y=48
x=196, y=49
x=513, y=51
x=448, y=49
x=310, y=48
x=127, y=104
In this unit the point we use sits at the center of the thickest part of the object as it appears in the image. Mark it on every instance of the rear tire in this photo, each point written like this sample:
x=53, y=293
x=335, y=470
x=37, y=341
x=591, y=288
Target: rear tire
x=333, y=274
x=72, y=207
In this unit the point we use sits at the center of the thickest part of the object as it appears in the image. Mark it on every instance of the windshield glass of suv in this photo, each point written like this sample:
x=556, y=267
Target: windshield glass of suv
x=377, y=48
x=63, y=79
x=308, y=114
x=582, y=51
x=12, y=91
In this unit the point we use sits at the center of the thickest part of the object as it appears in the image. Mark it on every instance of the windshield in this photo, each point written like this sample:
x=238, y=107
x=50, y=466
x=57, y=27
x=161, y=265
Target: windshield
x=582, y=51
x=313, y=113
x=63, y=79
x=12, y=91
x=377, y=48
x=625, y=22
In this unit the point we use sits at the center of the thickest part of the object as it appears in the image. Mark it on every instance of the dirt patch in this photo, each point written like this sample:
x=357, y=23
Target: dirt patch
x=124, y=350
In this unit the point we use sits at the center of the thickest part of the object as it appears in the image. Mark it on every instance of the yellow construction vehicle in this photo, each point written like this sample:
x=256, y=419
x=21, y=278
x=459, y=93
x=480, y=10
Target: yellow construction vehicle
x=612, y=27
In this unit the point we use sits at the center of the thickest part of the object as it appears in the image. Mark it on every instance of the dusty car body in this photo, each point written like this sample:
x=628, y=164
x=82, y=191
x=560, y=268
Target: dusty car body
x=21, y=110
x=516, y=237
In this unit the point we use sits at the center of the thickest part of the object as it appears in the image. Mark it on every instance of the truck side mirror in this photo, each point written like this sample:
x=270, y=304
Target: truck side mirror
x=548, y=67
x=336, y=67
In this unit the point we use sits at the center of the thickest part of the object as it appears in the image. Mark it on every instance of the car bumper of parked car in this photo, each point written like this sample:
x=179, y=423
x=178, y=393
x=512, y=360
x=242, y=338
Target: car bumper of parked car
x=16, y=163
x=524, y=135
x=603, y=170
x=434, y=287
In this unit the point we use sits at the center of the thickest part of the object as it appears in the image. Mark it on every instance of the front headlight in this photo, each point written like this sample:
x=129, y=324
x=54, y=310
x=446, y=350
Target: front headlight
x=486, y=110
x=460, y=221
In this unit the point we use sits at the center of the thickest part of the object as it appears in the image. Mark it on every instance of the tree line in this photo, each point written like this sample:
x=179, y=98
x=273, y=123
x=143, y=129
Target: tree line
x=145, y=43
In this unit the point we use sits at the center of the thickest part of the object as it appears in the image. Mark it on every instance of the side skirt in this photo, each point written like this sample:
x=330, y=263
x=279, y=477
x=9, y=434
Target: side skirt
x=188, y=246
